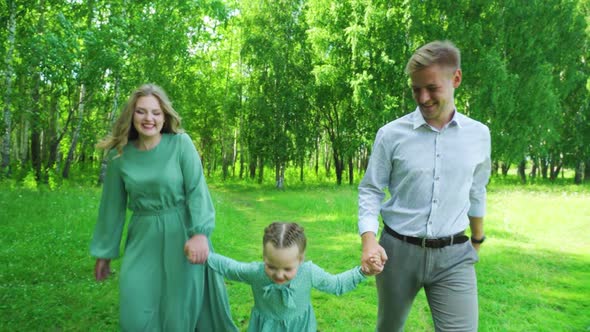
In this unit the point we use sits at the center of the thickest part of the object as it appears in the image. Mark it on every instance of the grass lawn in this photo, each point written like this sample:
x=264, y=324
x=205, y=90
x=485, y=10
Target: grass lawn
x=533, y=274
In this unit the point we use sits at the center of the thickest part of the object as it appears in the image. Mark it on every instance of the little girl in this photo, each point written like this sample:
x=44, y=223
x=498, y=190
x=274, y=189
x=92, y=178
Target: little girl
x=282, y=284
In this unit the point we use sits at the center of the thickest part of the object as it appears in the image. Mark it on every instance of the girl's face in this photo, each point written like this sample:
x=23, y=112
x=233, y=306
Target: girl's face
x=281, y=264
x=148, y=118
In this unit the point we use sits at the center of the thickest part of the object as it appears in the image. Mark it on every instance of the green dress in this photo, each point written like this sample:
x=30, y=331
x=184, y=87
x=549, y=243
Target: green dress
x=286, y=307
x=165, y=189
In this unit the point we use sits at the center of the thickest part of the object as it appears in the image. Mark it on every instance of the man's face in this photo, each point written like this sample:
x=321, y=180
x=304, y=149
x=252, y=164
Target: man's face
x=433, y=89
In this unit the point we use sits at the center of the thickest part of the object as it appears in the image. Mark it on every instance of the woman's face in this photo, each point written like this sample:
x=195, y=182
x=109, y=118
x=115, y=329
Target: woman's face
x=148, y=117
x=281, y=264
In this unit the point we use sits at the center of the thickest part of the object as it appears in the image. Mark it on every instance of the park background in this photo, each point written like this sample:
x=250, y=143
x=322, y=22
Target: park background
x=283, y=99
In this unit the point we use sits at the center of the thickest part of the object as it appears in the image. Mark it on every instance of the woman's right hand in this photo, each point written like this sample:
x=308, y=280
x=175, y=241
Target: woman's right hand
x=196, y=249
x=102, y=269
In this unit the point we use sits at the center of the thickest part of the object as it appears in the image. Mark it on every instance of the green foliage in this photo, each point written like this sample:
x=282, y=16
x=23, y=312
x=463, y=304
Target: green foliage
x=29, y=182
x=291, y=83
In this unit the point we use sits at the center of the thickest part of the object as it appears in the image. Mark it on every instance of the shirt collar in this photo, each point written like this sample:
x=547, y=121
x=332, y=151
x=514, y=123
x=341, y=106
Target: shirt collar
x=418, y=119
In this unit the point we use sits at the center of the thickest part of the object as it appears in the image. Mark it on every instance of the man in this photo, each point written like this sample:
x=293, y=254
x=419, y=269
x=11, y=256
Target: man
x=435, y=163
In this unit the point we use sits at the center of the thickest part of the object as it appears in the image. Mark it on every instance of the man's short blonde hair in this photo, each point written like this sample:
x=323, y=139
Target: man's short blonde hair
x=443, y=53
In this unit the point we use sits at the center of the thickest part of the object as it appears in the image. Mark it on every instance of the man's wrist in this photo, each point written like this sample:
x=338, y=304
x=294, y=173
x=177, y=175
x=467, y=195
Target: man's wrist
x=368, y=237
x=478, y=240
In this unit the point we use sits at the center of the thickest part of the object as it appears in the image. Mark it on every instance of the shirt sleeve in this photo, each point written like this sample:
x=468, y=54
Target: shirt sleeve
x=371, y=188
x=337, y=284
x=198, y=199
x=108, y=231
x=232, y=269
x=481, y=176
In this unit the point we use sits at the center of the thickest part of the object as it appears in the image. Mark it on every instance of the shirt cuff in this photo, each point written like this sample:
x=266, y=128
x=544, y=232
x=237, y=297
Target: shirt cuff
x=368, y=225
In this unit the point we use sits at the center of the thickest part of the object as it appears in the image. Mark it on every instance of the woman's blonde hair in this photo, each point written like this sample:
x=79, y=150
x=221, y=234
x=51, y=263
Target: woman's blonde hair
x=123, y=129
x=285, y=235
x=443, y=53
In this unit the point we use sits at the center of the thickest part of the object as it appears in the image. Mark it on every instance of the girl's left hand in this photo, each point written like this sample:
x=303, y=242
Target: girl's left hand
x=196, y=249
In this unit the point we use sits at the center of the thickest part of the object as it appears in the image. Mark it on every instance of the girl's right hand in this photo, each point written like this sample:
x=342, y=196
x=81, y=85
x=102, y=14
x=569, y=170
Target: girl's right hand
x=376, y=261
x=102, y=269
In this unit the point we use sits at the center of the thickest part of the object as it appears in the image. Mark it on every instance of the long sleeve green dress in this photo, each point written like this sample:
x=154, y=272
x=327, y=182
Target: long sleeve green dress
x=285, y=307
x=160, y=290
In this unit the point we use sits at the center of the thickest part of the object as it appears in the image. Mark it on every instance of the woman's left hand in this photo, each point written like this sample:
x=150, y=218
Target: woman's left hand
x=196, y=249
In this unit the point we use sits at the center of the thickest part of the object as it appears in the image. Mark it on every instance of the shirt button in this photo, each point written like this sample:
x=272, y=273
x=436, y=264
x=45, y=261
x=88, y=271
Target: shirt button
x=437, y=178
x=438, y=155
x=435, y=201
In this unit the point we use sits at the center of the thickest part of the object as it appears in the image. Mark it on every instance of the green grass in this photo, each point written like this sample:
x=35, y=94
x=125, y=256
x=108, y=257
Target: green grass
x=533, y=274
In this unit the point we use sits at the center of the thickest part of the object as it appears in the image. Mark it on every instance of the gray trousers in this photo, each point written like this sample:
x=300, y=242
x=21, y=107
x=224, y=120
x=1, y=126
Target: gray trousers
x=448, y=278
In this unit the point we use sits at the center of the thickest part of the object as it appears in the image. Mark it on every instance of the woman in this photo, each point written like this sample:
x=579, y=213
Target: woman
x=155, y=171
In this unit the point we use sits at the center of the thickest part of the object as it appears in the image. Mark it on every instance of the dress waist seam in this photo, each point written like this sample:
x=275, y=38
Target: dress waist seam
x=168, y=210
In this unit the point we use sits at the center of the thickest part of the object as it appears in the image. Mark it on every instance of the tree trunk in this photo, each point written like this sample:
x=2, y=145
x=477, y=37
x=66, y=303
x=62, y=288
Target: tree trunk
x=579, y=176
x=242, y=163
x=327, y=160
x=522, y=171
x=495, y=167
x=36, y=129
x=280, y=176
x=587, y=171
x=505, y=168
x=317, y=157
x=364, y=162
x=338, y=166
x=112, y=118
x=9, y=70
x=260, y=169
x=76, y=133
x=555, y=168
x=544, y=168
x=54, y=154
x=350, y=171
x=22, y=145
x=81, y=103
x=301, y=168
x=535, y=168
x=252, y=167
x=224, y=160
x=234, y=158
x=50, y=135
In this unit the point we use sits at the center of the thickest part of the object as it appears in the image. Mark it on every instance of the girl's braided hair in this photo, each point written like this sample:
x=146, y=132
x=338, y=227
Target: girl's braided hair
x=284, y=235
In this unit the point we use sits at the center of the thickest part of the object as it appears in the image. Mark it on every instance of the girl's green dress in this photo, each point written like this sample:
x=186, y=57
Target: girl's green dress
x=286, y=307
x=165, y=189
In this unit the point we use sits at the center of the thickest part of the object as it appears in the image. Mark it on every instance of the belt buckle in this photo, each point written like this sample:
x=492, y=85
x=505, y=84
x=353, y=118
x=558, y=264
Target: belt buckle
x=423, y=242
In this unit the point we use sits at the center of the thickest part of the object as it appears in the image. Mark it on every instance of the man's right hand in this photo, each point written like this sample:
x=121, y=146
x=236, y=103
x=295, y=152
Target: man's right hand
x=102, y=269
x=374, y=256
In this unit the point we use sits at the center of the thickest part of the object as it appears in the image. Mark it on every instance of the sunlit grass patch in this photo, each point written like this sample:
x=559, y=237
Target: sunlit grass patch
x=532, y=276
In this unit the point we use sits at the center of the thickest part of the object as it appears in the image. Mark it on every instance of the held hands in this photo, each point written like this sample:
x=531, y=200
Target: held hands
x=102, y=269
x=196, y=249
x=374, y=256
x=376, y=261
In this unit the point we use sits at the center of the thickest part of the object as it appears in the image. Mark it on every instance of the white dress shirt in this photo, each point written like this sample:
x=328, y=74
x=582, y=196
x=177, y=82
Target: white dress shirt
x=436, y=178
